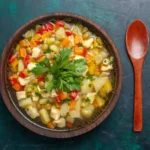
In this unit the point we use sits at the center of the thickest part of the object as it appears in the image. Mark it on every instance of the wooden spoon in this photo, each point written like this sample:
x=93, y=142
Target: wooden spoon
x=137, y=46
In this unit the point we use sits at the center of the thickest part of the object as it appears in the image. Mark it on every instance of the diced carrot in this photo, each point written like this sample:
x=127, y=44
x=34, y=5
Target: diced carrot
x=32, y=44
x=62, y=95
x=65, y=42
x=89, y=58
x=72, y=104
x=69, y=124
x=78, y=50
x=22, y=52
x=95, y=104
x=23, y=43
x=50, y=125
x=77, y=39
x=17, y=87
x=41, y=58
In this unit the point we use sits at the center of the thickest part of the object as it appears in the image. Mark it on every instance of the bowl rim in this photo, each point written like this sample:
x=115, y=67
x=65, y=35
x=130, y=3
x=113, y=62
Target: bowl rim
x=57, y=134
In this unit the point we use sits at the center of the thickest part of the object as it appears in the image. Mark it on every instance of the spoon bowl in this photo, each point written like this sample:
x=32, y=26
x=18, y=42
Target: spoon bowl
x=137, y=46
x=137, y=39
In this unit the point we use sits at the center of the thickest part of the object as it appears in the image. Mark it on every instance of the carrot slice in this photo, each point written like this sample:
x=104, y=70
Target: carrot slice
x=72, y=104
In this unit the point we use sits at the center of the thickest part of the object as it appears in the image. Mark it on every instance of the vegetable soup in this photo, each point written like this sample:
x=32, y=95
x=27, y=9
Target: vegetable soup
x=61, y=73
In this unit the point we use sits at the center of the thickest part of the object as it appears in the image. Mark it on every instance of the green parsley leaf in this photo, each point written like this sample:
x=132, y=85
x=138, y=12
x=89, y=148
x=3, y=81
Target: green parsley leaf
x=90, y=85
x=47, y=51
x=87, y=99
x=41, y=67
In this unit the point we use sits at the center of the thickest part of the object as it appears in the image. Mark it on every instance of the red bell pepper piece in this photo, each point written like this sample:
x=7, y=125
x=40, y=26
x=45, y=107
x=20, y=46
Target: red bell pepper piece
x=40, y=32
x=69, y=124
x=41, y=79
x=69, y=33
x=49, y=26
x=58, y=100
x=13, y=81
x=26, y=60
x=38, y=42
x=74, y=94
x=60, y=23
x=22, y=75
x=84, y=52
x=12, y=59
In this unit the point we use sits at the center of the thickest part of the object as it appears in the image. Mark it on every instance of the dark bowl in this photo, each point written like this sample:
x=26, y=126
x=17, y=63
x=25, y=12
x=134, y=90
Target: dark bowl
x=8, y=93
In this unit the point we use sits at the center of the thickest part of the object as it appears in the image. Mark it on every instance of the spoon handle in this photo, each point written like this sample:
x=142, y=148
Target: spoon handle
x=138, y=98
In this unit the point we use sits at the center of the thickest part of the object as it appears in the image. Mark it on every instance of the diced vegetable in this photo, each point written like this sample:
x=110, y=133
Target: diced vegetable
x=106, y=68
x=32, y=112
x=22, y=52
x=88, y=43
x=69, y=124
x=62, y=95
x=43, y=101
x=44, y=116
x=78, y=39
x=23, y=81
x=87, y=111
x=36, y=52
x=69, y=119
x=60, y=33
x=55, y=113
x=31, y=66
x=64, y=109
x=100, y=101
x=107, y=87
x=61, y=123
x=25, y=102
x=74, y=94
x=21, y=95
x=84, y=87
x=72, y=105
x=75, y=114
x=20, y=65
x=54, y=48
x=51, y=125
x=60, y=23
x=91, y=96
x=99, y=82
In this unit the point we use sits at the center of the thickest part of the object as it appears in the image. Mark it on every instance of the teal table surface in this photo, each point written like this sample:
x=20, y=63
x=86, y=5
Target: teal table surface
x=115, y=133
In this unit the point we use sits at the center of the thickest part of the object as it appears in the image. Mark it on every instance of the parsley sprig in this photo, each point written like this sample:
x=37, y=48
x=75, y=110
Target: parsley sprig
x=62, y=74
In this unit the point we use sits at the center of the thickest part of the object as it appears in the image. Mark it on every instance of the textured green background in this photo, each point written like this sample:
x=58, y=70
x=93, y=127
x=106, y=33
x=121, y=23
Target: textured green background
x=115, y=133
